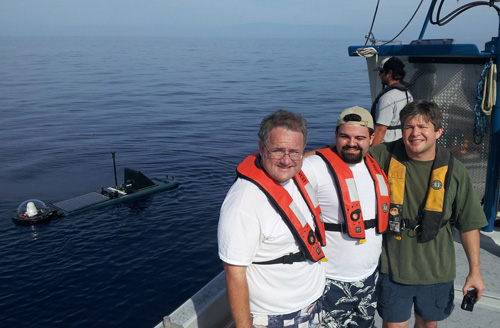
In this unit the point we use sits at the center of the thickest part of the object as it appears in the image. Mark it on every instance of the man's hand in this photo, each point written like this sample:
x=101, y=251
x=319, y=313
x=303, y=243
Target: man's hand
x=470, y=242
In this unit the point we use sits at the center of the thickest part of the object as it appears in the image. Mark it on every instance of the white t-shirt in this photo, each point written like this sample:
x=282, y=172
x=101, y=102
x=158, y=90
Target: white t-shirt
x=250, y=230
x=388, y=108
x=348, y=260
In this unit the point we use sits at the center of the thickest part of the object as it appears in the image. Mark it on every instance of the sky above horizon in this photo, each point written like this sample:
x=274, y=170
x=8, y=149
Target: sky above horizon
x=347, y=18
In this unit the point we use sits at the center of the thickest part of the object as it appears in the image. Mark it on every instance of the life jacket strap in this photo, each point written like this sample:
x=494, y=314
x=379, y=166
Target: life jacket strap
x=343, y=228
x=401, y=85
x=412, y=224
x=286, y=259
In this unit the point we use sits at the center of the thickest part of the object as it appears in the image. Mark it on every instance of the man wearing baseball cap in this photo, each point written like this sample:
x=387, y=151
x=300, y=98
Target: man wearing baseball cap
x=353, y=193
x=389, y=102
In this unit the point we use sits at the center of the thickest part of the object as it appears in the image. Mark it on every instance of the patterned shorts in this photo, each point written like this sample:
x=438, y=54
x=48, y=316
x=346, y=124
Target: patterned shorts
x=310, y=317
x=350, y=304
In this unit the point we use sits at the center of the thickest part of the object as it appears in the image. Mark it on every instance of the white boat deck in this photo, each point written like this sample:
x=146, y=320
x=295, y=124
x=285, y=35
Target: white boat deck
x=209, y=307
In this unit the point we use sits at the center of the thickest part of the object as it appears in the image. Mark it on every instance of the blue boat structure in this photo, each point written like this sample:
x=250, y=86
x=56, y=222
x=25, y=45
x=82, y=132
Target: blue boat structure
x=136, y=184
x=462, y=80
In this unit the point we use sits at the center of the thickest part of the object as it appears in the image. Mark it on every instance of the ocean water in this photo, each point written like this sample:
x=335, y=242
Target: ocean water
x=183, y=107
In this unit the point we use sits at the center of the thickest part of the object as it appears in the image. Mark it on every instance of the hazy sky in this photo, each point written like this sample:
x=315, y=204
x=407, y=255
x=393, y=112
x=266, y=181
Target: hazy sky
x=343, y=18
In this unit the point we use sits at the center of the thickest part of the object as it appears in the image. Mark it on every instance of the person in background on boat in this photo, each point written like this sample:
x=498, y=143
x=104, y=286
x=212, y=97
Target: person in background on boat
x=271, y=233
x=389, y=102
x=430, y=190
x=354, y=197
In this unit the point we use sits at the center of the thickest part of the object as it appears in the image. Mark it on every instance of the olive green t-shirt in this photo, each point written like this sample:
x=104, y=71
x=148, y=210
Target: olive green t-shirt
x=411, y=262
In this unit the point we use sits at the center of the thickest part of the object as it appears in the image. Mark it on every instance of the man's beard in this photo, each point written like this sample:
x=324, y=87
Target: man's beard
x=351, y=158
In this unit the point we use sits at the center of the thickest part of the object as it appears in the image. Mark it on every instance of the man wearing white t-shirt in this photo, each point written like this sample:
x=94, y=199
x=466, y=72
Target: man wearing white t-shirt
x=391, y=100
x=271, y=233
x=354, y=197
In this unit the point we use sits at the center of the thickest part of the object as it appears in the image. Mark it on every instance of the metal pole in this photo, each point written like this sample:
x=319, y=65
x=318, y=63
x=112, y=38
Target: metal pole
x=114, y=166
x=427, y=19
x=492, y=172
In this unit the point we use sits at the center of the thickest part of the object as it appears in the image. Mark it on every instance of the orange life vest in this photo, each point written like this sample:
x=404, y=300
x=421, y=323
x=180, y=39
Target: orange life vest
x=348, y=193
x=309, y=239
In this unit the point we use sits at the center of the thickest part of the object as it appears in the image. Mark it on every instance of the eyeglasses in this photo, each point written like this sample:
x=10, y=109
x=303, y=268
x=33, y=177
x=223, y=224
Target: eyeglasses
x=279, y=154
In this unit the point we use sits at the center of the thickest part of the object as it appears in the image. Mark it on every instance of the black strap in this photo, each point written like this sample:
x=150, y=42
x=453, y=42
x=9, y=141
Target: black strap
x=401, y=85
x=343, y=228
x=412, y=224
x=286, y=259
x=394, y=127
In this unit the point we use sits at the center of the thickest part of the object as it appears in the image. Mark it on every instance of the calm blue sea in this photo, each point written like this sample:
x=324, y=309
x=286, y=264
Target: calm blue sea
x=185, y=107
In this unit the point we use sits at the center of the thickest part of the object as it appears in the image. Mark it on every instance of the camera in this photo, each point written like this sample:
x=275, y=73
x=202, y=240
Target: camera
x=469, y=300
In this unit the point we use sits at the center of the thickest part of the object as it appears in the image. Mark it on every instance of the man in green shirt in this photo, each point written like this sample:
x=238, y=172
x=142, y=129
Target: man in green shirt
x=430, y=190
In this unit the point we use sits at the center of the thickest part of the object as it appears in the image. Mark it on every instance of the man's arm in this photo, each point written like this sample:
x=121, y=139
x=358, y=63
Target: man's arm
x=237, y=292
x=470, y=242
x=379, y=134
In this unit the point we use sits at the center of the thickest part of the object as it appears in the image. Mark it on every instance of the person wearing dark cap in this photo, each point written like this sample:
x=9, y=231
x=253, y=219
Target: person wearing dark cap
x=387, y=105
x=354, y=197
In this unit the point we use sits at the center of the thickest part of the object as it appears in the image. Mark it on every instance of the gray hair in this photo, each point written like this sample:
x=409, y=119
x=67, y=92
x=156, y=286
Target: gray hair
x=285, y=119
x=425, y=108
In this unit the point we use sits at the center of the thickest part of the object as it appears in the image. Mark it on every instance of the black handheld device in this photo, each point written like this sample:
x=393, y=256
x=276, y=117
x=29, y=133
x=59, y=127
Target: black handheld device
x=469, y=300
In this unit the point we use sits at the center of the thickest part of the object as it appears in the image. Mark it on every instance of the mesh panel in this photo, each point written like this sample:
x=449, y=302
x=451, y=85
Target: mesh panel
x=454, y=87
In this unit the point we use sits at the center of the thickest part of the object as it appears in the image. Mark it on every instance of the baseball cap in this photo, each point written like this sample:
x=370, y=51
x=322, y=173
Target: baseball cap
x=366, y=117
x=391, y=63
